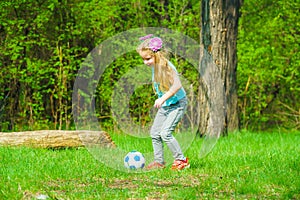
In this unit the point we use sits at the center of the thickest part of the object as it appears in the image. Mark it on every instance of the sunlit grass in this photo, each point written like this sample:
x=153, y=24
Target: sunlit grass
x=241, y=166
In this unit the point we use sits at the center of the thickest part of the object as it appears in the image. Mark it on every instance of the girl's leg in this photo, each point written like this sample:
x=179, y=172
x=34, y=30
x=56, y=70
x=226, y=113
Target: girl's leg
x=174, y=116
x=157, y=141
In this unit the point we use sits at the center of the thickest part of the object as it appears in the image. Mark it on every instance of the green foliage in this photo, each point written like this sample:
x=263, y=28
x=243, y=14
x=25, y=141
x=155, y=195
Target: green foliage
x=39, y=58
x=268, y=65
x=42, y=45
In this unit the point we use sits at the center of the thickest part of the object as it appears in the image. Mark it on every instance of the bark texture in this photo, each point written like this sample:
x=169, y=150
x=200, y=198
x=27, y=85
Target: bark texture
x=56, y=138
x=218, y=39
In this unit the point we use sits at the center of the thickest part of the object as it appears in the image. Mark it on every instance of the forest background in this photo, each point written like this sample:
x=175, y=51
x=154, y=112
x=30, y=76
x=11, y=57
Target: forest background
x=43, y=43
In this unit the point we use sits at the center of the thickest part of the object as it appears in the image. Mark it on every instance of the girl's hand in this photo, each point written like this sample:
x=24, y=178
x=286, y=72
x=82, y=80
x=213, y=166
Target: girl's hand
x=158, y=103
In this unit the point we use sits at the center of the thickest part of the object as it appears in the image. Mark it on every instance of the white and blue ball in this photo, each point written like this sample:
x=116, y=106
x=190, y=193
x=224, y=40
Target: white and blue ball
x=134, y=160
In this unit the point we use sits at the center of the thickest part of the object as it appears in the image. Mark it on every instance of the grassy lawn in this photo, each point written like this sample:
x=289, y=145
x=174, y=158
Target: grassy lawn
x=241, y=166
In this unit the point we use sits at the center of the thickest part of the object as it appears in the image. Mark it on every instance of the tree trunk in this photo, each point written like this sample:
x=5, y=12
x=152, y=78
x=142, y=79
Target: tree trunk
x=218, y=39
x=56, y=138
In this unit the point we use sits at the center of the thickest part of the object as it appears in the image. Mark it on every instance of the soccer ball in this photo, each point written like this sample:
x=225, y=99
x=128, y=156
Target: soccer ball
x=134, y=160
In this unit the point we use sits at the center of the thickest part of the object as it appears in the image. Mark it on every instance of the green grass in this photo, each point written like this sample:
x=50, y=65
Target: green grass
x=241, y=166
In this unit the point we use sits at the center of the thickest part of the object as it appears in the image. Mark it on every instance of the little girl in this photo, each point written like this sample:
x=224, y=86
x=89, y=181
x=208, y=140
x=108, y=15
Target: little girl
x=171, y=102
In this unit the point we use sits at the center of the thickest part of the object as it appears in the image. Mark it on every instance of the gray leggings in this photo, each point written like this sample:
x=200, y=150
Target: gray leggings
x=163, y=126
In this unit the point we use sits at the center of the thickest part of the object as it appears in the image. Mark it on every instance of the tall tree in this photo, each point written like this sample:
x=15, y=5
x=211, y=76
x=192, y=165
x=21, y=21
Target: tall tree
x=219, y=27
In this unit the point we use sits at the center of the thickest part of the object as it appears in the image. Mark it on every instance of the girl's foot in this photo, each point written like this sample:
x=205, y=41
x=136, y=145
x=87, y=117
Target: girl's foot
x=155, y=165
x=180, y=164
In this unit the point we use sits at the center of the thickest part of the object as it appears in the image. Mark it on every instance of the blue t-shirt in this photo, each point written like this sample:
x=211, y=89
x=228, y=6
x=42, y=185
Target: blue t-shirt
x=173, y=99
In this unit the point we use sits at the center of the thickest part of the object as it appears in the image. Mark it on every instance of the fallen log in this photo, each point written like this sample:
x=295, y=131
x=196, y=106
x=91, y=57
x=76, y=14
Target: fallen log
x=56, y=138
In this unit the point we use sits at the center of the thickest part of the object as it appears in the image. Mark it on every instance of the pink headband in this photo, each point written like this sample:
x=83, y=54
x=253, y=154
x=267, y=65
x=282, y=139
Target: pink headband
x=155, y=43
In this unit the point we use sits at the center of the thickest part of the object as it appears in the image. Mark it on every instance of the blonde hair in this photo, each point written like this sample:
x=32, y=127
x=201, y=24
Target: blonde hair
x=163, y=73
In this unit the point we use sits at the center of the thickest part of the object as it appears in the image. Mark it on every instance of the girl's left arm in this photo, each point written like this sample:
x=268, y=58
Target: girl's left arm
x=173, y=89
